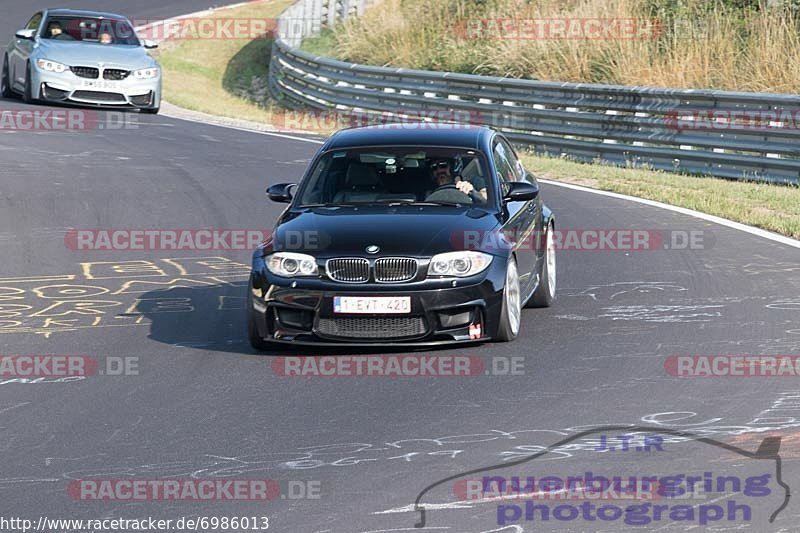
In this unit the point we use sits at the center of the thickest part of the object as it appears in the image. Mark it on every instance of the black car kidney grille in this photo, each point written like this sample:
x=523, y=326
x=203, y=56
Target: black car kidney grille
x=357, y=269
x=348, y=269
x=388, y=327
x=115, y=74
x=395, y=269
x=86, y=72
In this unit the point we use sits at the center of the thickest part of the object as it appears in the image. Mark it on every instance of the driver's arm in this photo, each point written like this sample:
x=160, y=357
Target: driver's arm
x=466, y=187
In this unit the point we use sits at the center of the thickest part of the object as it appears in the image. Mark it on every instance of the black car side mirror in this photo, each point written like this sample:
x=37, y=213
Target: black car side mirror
x=520, y=191
x=149, y=44
x=280, y=192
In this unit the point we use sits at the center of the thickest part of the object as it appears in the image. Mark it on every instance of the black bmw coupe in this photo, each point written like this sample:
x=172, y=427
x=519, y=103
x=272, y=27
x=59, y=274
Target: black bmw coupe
x=421, y=236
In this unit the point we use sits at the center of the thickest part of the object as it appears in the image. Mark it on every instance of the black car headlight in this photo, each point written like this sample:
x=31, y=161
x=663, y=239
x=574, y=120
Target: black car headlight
x=291, y=265
x=459, y=264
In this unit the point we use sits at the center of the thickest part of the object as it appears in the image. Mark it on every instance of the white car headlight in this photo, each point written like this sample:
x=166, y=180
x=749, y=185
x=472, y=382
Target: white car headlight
x=290, y=265
x=51, y=66
x=459, y=264
x=146, y=73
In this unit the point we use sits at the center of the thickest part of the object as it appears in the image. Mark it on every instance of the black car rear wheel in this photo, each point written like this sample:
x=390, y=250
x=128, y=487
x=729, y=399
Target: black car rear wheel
x=511, y=311
x=5, y=81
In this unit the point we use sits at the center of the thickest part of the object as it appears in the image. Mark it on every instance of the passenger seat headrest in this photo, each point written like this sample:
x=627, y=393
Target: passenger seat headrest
x=361, y=174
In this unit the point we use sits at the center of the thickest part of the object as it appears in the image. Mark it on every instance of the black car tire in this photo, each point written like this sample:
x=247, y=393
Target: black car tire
x=506, y=329
x=26, y=93
x=256, y=340
x=5, y=82
x=150, y=110
x=545, y=291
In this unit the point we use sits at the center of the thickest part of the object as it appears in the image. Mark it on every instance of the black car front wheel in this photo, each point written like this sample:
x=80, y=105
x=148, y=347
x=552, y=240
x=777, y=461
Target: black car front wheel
x=255, y=338
x=545, y=291
x=5, y=81
x=511, y=311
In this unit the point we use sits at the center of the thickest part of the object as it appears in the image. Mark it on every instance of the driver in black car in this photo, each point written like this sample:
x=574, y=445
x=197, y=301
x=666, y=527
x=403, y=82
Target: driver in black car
x=442, y=175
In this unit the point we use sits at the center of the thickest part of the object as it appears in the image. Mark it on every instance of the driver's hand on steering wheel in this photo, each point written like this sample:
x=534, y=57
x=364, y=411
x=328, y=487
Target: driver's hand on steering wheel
x=465, y=186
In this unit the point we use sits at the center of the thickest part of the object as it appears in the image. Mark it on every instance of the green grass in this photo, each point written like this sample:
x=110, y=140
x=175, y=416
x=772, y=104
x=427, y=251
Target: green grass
x=717, y=44
x=320, y=45
x=222, y=77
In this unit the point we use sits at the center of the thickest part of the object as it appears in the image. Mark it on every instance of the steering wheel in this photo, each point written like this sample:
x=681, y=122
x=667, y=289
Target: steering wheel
x=448, y=193
x=476, y=197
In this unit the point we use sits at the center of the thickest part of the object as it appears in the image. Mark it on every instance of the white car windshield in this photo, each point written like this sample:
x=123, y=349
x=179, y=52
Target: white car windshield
x=90, y=29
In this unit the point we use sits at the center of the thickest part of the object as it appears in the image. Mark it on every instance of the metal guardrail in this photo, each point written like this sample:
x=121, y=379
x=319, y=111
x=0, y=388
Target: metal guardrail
x=738, y=135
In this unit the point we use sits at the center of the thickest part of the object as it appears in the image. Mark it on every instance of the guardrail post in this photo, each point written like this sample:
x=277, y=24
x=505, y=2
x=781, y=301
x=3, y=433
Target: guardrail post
x=330, y=19
x=316, y=17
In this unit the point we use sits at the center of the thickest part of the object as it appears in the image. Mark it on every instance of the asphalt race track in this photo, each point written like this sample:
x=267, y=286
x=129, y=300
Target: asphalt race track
x=351, y=454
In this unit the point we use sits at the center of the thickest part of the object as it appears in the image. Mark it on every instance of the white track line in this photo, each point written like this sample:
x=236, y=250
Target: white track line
x=684, y=211
x=241, y=128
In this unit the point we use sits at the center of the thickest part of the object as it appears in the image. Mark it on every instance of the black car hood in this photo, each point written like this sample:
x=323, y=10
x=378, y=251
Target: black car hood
x=402, y=230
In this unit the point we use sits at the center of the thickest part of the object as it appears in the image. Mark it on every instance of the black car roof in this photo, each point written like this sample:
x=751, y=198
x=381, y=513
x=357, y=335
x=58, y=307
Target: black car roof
x=61, y=11
x=427, y=134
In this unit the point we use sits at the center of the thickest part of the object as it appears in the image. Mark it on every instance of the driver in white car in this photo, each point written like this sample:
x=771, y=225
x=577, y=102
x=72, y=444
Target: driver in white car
x=442, y=175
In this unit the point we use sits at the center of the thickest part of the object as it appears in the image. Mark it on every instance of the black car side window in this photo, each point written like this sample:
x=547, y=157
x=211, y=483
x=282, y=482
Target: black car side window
x=505, y=171
x=516, y=164
x=33, y=24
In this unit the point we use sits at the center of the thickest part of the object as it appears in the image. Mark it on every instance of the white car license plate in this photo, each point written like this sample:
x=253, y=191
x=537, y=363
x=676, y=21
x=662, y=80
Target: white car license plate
x=99, y=84
x=381, y=305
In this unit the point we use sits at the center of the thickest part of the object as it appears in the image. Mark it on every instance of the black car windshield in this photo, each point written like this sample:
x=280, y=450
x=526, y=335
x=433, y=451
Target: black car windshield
x=398, y=175
x=90, y=29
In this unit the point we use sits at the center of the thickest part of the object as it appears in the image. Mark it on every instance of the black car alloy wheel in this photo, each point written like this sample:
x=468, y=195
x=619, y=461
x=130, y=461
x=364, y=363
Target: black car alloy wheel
x=511, y=311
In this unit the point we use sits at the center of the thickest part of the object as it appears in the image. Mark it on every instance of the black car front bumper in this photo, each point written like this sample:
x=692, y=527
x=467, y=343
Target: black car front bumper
x=440, y=312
